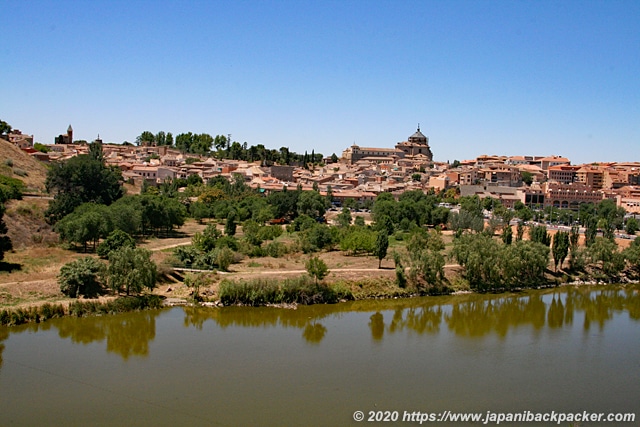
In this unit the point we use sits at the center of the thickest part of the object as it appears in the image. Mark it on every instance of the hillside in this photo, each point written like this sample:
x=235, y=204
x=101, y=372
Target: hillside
x=15, y=163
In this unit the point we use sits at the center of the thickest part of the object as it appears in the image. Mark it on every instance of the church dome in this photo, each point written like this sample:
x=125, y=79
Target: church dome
x=418, y=137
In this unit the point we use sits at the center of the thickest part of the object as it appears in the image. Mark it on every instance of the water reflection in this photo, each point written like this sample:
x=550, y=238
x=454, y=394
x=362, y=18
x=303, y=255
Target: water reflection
x=472, y=316
x=4, y=334
x=314, y=332
x=126, y=335
x=466, y=316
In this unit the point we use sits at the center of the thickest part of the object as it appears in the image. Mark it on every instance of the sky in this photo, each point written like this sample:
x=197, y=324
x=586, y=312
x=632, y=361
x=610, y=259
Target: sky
x=479, y=77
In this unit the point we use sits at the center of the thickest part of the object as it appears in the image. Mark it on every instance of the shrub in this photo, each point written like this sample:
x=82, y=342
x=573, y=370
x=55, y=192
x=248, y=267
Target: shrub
x=275, y=249
x=117, y=239
x=82, y=277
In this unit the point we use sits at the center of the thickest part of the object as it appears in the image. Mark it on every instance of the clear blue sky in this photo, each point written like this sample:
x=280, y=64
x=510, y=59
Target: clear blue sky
x=481, y=77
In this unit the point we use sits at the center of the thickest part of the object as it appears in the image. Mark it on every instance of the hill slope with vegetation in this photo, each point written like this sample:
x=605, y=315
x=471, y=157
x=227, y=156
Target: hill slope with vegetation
x=18, y=164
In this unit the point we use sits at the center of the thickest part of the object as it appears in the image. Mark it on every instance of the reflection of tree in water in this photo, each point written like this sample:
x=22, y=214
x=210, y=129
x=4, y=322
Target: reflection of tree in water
x=127, y=334
x=424, y=319
x=376, y=323
x=472, y=315
x=555, y=314
x=255, y=316
x=314, y=332
x=131, y=336
x=4, y=334
x=481, y=316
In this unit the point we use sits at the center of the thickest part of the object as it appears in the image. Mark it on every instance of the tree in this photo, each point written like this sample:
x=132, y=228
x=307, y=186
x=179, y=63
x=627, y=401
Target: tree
x=115, y=240
x=5, y=128
x=344, y=218
x=87, y=223
x=131, y=270
x=605, y=251
x=538, y=233
x=230, y=224
x=146, y=137
x=79, y=180
x=382, y=244
x=316, y=268
x=5, y=241
x=527, y=177
x=560, y=248
x=207, y=240
x=632, y=226
x=312, y=203
x=507, y=235
x=82, y=277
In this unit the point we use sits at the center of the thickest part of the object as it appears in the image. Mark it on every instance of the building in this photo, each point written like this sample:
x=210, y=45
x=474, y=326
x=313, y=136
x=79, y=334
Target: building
x=591, y=175
x=65, y=139
x=356, y=153
x=563, y=174
x=415, y=145
x=570, y=196
x=19, y=139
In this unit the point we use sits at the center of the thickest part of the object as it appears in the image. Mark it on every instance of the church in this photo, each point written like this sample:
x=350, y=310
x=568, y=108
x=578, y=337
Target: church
x=417, y=146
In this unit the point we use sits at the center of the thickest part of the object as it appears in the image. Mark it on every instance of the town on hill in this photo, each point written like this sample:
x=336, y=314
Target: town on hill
x=360, y=173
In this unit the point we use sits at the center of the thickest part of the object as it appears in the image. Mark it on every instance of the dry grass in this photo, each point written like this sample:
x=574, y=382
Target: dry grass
x=21, y=161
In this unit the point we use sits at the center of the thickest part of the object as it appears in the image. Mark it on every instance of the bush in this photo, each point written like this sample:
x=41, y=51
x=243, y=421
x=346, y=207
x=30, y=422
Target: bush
x=82, y=277
x=117, y=239
x=270, y=232
x=275, y=249
x=301, y=290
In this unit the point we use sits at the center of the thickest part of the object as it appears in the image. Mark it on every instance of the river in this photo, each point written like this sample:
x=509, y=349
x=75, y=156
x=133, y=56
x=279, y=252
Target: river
x=564, y=350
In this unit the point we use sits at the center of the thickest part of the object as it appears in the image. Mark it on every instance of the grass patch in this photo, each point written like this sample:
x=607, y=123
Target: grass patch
x=300, y=290
x=18, y=316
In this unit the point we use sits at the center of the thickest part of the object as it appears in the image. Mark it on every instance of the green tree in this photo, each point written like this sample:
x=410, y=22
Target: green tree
x=231, y=223
x=82, y=277
x=632, y=226
x=560, y=248
x=538, y=233
x=519, y=231
x=131, y=270
x=591, y=231
x=605, y=252
x=316, y=268
x=81, y=179
x=311, y=203
x=507, y=235
x=146, y=137
x=115, y=240
x=5, y=241
x=344, y=218
x=207, y=240
x=5, y=128
x=382, y=244
x=87, y=223
x=527, y=177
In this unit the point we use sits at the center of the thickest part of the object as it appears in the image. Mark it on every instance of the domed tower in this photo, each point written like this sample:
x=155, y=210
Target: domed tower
x=417, y=145
x=419, y=138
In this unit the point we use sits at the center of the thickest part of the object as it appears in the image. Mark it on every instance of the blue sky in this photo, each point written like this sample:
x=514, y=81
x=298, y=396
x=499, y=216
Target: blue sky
x=481, y=77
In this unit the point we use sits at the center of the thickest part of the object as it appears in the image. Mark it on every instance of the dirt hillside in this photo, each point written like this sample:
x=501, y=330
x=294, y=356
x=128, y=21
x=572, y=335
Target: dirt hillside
x=15, y=163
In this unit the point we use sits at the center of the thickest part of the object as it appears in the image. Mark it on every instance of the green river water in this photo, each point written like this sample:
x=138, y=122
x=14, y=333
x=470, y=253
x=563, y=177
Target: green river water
x=563, y=350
